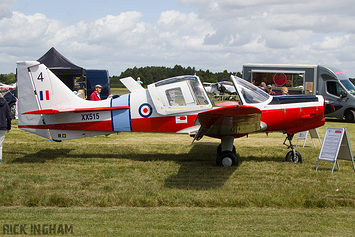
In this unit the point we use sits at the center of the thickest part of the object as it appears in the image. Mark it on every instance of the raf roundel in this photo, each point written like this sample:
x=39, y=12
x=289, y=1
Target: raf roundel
x=145, y=110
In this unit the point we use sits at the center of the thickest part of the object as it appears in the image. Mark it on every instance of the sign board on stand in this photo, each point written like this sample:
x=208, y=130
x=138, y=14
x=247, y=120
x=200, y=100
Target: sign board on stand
x=302, y=135
x=336, y=146
x=314, y=134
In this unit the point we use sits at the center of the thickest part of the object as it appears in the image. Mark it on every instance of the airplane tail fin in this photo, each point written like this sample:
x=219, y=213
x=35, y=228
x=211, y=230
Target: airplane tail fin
x=47, y=91
x=41, y=94
x=32, y=95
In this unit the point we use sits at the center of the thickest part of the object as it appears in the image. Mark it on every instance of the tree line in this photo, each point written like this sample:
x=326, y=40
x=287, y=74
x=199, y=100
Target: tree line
x=7, y=78
x=150, y=75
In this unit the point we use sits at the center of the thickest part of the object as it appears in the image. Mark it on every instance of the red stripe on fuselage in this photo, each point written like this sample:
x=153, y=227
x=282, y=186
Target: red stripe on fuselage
x=89, y=126
x=161, y=124
x=273, y=119
x=293, y=120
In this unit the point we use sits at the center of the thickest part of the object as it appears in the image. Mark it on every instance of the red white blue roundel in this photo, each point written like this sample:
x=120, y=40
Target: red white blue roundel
x=145, y=110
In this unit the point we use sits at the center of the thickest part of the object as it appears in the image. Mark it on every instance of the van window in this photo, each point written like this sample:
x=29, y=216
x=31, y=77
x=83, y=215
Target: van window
x=349, y=86
x=334, y=88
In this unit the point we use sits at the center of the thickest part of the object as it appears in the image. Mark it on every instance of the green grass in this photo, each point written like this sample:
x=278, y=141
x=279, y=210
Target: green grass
x=160, y=184
x=172, y=221
x=119, y=91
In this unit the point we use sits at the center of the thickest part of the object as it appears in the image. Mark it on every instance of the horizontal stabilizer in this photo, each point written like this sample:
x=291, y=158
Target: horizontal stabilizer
x=79, y=110
x=131, y=84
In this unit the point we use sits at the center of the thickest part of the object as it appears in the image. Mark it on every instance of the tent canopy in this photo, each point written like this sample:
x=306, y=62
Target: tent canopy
x=62, y=67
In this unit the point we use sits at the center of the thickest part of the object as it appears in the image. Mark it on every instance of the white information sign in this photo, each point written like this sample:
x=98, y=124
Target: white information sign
x=335, y=146
x=314, y=134
x=303, y=135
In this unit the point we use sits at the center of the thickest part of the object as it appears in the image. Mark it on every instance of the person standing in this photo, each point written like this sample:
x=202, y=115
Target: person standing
x=262, y=86
x=269, y=90
x=5, y=121
x=96, y=94
x=139, y=81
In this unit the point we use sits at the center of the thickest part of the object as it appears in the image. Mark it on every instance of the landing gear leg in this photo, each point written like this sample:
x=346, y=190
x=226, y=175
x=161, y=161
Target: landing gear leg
x=226, y=153
x=292, y=156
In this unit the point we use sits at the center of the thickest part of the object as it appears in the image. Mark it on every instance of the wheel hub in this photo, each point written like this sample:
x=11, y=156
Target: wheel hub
x=227, y=162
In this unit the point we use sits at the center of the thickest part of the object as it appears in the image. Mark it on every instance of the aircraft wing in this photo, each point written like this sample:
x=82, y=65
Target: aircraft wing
x=229, y=120
x=78, y=110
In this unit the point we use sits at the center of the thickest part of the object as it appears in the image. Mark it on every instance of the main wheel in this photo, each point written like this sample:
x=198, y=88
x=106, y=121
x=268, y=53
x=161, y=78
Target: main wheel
x=12, y=106
x=227, y=159
x=294, y=159
x=219, y=149
x=350, y=116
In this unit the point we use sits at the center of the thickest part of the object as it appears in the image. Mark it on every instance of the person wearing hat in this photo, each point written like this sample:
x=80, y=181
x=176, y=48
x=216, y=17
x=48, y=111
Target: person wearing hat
x=269, y=90
x=96, y=94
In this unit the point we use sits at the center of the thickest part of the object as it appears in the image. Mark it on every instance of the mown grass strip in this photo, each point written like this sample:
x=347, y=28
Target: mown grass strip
x=167, y=221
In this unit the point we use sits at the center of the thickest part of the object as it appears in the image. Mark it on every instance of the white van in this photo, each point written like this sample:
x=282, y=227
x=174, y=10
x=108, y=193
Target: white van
x=307, y=79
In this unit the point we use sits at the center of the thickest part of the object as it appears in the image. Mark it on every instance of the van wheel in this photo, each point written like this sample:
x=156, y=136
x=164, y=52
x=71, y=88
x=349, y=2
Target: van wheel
x=350, y=116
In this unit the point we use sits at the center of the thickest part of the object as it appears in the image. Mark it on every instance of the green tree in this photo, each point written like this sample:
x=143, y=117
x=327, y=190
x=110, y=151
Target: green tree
x=150, y=75
x=8, y=78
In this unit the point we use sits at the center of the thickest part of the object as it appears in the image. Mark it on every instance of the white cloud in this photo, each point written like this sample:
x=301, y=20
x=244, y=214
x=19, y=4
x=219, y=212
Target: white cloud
x=217, y=35
x=25, y=31
x=278, y=31
x=5, y=6
x=332, y=43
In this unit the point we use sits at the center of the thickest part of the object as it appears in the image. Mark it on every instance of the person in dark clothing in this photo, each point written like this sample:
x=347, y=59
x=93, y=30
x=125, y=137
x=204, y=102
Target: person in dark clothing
x=269, y=90
x=5, y=121
x=221, y=88
x=262, y=86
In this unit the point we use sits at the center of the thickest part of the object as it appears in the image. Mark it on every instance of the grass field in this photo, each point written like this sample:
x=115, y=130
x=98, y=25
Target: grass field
x=119, y=91
x=142, y=184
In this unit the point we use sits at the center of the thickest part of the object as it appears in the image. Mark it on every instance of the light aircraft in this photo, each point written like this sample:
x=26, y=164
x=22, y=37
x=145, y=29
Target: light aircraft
x=4, y=87
x=212, y=88
x=47, y=107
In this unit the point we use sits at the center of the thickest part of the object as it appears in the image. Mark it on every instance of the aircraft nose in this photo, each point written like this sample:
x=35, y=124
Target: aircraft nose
x=330, y=105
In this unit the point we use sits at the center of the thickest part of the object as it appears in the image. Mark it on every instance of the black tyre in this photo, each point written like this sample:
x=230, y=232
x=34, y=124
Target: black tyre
x=219, y=149
x=12, y=106
x=227, y=159
x=350, y=116
x=294, y=159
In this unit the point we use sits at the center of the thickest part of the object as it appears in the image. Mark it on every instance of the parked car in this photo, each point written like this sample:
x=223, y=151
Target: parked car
x=11, y=97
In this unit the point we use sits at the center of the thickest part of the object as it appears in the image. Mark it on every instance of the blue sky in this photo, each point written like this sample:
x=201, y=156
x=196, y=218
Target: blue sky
x=216, y=35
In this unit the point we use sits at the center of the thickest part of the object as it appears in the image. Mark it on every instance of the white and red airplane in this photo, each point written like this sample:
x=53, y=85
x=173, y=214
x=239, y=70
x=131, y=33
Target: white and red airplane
x=4, y=87
x=47, y=107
